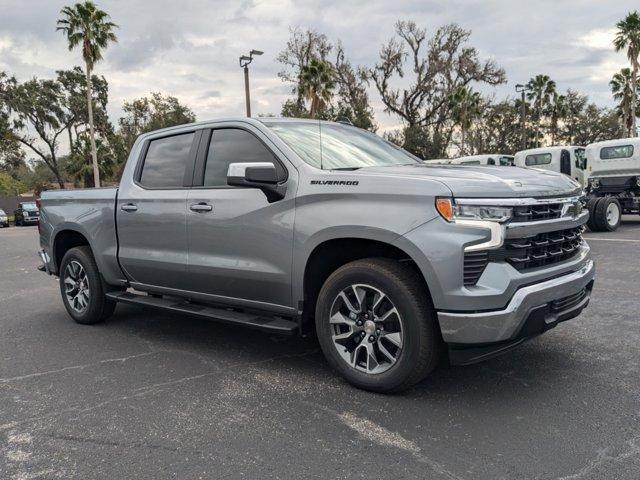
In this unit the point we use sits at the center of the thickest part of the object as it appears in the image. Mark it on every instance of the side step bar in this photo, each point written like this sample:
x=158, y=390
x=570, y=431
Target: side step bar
x=267, y=324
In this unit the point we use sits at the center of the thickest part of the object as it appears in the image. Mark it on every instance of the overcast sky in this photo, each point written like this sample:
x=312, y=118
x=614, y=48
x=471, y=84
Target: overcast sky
x=190, y=48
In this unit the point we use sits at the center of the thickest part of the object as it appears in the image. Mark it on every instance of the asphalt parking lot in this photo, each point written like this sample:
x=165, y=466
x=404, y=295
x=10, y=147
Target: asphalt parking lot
x=148, y=395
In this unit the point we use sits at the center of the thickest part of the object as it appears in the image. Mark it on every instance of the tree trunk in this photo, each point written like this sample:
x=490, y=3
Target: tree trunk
x=94, y=154
x=462, y=138
x=634, y=94
x=56, y=174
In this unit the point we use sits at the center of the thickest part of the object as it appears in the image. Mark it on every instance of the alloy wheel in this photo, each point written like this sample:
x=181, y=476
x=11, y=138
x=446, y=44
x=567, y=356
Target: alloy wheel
x=76, y=286
x=366, y=328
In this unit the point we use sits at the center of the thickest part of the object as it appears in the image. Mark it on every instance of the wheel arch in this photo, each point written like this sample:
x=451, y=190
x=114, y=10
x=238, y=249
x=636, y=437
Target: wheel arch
x=64, y=240
x=331, y=253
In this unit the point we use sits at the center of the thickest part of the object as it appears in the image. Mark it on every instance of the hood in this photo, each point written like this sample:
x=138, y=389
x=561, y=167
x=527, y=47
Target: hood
x=487, y=181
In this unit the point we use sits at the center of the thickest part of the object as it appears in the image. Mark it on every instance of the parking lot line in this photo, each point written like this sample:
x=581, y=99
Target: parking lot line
x=612, y=239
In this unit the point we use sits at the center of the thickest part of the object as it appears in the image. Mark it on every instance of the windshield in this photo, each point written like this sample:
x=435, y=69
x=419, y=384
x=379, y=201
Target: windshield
x=332, y=146
x=29, y=206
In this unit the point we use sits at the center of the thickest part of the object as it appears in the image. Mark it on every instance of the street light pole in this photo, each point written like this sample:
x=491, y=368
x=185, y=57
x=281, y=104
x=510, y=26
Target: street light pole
x=245, y=60
x=247, y=95
x=523, y=112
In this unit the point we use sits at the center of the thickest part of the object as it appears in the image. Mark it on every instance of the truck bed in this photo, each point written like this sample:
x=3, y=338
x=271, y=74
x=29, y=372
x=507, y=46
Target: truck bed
x=89, y=212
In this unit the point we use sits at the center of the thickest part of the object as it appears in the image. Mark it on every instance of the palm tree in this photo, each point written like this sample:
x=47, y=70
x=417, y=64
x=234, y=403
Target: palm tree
x=628, y=36
x=317, y=84
x=540, y=91
x=558, y=110
x=465, y=108
x=86, y=25
x=623, y=92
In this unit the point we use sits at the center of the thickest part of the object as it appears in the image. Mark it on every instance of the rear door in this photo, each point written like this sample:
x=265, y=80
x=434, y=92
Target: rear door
x=151, y=212
x=240, y=244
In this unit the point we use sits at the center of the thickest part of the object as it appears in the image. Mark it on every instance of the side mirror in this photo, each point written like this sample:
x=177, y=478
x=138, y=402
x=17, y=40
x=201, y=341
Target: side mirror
x=262, y=175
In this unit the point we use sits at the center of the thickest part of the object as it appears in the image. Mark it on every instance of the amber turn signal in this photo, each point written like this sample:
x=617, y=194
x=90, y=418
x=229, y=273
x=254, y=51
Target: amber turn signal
x=445, y=208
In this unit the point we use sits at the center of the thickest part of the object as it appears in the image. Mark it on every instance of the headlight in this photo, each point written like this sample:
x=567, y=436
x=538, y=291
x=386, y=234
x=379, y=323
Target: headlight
x=451, y=211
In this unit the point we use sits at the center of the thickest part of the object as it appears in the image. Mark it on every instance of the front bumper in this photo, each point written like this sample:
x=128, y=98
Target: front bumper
x=469, y=329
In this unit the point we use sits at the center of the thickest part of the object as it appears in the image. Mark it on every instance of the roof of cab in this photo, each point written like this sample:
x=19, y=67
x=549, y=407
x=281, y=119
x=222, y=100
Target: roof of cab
x=618, y=141
x=249, y=120
x=554, y=148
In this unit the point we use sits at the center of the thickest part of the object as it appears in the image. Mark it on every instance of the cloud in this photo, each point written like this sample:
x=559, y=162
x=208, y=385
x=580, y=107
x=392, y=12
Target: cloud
x=190, y=49
x=211, y=94
x=134, y=54
x=597, y=39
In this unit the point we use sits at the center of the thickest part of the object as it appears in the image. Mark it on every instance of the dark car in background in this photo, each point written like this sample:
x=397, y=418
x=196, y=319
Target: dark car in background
x=27, y=213
x=4, y=220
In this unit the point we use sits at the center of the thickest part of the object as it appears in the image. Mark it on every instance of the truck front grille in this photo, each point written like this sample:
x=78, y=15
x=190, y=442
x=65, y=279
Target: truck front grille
x=543, y=249
x=525, y=253
x=534, y=213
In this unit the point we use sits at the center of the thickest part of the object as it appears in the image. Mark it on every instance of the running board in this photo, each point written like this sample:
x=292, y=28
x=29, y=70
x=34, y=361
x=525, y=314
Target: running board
x=250, y=320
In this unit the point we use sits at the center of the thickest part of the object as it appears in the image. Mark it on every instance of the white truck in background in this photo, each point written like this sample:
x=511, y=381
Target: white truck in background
x=485, y=159
x=437, y=161
x=612, y=179
x=562, y=159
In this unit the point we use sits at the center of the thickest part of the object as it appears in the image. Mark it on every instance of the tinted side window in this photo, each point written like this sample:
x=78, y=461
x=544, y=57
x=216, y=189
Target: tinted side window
x=537, y=159
x=232, y=145
x=623, y=151
x=165, y=161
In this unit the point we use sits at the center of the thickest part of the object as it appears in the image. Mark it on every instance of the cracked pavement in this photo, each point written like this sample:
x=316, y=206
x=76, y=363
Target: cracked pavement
x=152, y=395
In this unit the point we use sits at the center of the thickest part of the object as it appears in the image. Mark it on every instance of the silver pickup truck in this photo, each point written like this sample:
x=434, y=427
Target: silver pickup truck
x=292, y=226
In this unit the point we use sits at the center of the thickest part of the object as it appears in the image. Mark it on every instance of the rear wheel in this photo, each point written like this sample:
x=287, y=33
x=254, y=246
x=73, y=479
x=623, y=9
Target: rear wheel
x=608, y=214
x=82, y=289
x=376, y=325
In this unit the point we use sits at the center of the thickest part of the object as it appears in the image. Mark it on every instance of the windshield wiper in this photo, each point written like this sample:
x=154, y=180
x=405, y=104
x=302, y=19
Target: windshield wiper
x=347, y=168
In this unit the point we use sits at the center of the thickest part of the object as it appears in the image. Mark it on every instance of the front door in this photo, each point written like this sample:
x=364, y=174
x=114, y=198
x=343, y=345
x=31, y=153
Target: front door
x=240, y=244
x=151, y=212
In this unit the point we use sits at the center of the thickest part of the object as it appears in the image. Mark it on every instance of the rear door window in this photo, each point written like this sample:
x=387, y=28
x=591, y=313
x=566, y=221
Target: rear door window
x=537, y=159
x=621, y=151
x=165, y=162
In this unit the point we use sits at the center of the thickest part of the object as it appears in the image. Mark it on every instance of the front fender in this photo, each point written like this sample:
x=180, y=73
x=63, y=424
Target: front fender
x=304, y=248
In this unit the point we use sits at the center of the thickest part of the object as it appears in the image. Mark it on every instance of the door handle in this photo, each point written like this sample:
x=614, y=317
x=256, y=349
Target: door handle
x=200, y=207
x=128, y=207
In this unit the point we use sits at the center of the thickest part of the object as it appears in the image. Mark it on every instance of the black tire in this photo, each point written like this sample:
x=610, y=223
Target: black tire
x=99, y=308
x=602, y=223
x=421, y=339
x=591, y=206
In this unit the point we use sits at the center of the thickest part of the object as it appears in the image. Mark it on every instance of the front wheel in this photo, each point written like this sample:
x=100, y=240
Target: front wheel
x=376, y=325
x=81, y=288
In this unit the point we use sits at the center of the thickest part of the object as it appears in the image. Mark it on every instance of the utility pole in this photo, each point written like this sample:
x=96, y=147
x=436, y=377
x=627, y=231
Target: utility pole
x=245, y=60
x=520, y=88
